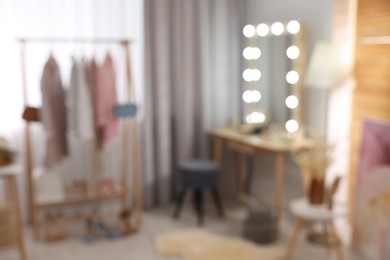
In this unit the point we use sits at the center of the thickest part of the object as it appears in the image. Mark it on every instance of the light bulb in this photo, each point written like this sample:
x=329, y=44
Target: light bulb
x=262, y=29
x=251, y=53
x=247, y=96
x=256, y=75
x=292, y=77
x=292, y=52
x=291, y=126
x=248, y=119
x=293, y=27
x=256, y=53
x=257, y=117
x=292, y=102
x=256, y=96
x=250, y=96
x=247, y=53
x=249, y=31
x=247, y=75
x=277, y=28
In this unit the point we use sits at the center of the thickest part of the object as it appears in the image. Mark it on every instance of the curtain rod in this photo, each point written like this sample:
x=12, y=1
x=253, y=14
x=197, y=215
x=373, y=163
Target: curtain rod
x=76, y=40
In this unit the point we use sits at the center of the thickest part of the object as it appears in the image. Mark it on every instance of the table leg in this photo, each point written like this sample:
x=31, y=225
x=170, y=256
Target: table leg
x=293, y=239
x=248, y=173
x=279, y=171
x=19, y=230
x=8, y=193
x=241, y=172
x=218, y=149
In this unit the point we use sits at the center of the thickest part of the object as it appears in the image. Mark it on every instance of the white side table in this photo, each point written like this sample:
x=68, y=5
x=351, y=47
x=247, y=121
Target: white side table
x=306, y=212
x=8, y=175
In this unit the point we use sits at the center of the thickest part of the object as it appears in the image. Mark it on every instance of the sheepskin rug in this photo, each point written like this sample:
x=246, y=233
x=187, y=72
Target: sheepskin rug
x=198, y=244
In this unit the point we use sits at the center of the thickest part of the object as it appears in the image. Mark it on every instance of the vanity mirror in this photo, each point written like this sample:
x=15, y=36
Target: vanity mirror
x=273, y=70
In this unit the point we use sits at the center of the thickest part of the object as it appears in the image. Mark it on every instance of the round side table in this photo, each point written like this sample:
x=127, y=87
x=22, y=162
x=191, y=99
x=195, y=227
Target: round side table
x=306, y=212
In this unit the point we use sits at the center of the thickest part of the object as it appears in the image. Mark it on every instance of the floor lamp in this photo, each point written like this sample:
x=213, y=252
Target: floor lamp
x=329, y=103
x=327, y=71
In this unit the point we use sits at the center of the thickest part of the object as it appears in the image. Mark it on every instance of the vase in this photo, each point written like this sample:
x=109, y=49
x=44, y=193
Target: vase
x=317, y=191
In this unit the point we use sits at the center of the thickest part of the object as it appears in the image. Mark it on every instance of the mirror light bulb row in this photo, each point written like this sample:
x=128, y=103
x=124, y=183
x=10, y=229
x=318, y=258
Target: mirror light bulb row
x=277, y=28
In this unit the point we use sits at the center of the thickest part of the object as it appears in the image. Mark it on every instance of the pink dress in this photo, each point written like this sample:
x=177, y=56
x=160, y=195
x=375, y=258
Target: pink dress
x=105, y=101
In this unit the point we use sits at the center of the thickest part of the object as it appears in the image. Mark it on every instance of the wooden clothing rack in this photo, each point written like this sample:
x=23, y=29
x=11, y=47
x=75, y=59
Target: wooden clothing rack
x=131, y=132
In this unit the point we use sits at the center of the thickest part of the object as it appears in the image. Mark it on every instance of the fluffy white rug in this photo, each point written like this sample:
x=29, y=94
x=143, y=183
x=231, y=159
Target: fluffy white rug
x=197, y=244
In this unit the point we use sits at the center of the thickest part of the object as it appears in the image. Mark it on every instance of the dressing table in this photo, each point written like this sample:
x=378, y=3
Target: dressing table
x=252, y=144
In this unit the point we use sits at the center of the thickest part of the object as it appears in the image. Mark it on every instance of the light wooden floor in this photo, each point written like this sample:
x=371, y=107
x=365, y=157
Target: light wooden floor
x=158, y=221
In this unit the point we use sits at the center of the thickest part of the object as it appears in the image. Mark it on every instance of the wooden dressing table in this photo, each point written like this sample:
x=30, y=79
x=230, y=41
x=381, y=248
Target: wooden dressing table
x=250, y=144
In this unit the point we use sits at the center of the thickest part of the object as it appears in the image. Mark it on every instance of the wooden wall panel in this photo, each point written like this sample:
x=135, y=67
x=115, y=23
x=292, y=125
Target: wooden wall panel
x=372, y=71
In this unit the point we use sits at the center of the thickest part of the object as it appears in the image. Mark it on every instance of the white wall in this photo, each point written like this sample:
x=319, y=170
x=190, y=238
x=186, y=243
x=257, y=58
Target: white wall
x=64, y=19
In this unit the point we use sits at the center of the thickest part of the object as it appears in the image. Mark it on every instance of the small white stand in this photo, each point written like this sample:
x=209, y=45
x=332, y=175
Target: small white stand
x=306, y=212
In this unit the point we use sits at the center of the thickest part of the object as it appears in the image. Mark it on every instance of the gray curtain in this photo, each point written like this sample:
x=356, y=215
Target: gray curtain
x=192, y=70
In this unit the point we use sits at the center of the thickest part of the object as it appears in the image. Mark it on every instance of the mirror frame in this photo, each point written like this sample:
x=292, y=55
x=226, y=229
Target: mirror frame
x=251, y=74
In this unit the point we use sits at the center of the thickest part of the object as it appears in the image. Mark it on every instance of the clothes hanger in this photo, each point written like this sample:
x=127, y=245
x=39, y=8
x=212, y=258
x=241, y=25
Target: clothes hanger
x=51, y=51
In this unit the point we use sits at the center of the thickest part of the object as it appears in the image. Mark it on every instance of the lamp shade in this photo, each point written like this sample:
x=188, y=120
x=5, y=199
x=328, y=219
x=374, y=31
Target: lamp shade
x=327, y=67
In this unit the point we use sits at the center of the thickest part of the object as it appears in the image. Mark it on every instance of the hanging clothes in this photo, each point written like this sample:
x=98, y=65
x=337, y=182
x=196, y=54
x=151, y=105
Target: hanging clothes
x=53, y=113
x=80, y=112
x=105, y=101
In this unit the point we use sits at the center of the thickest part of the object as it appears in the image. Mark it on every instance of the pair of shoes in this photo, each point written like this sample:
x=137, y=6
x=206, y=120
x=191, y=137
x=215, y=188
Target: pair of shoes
x=110, y=186
x=126, y=224
x=106, y=232
x=55, y=228
x=96, y=228
x=91, y=234
x=79, y=188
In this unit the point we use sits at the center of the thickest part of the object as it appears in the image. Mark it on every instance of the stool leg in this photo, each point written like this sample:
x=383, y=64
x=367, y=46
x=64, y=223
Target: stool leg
x=218, y=202
x=199, y=205
x=332, y=232
x=293, y=239
x=179, y=203
x=328, y=235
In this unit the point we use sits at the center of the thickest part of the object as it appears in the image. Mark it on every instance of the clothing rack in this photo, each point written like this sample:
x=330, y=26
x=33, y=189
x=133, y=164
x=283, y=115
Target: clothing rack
x=131, y=132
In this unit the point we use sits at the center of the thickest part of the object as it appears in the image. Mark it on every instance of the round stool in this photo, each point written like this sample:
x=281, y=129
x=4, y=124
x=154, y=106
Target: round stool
x=307, y=212
x=198, y=175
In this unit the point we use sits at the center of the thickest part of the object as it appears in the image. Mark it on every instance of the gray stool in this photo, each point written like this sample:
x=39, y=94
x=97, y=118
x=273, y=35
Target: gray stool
x=199, y=175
